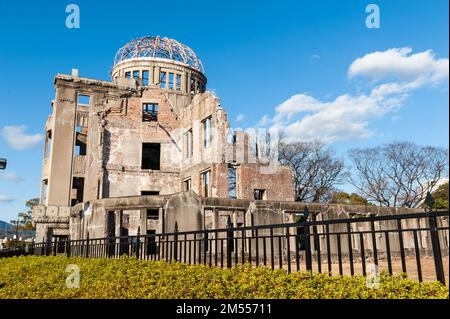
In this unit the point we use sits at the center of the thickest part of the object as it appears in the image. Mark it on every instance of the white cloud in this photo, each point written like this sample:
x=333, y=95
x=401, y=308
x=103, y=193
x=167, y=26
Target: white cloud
x=400, y=64
x=16, y=138
x=315, y=56
x=6, y=199
x=304, y=117
x=240, y=117
x=264, y=121
x=10, y=177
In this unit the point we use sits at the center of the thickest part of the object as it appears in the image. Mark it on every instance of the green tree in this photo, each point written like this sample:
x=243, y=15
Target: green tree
x=440, y=196
x=349, y=199
x=26, y=217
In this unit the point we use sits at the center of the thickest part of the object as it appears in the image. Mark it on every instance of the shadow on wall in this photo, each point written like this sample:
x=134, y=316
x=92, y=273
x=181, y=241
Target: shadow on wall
x=106, y=156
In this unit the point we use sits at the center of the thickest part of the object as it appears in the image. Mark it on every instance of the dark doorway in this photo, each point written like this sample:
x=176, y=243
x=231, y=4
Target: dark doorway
x=111, y=233
x=151, y=153
x=143, y=193
x=124, y=222
x=78, y=186
x=151, y=243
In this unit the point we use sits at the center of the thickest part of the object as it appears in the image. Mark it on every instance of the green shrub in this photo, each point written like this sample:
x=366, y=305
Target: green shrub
x=45, y=277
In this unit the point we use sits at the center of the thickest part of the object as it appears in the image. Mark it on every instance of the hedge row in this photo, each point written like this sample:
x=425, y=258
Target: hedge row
x=45, y=277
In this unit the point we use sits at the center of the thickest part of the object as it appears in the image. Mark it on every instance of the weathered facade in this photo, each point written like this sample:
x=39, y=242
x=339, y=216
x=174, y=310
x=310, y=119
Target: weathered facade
x=153, y=147
x=152, y=131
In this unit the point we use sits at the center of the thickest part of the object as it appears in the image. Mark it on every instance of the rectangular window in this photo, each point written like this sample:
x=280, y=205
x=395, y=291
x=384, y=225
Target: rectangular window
x=186, y=185
x=136, y=74
x=145, y=77
x=83, y=100
x=143, y=193
x=80, y=144
x=128, y=75
x=162, y=79
x=151, y=153
x=192, y=86
x=260, y=194
x=232, y=182
x=77, y=190
x=171, y=81
x=44, y=192
x=188, y=151
x=178, y=82
x=206, y=179
x=48, y=143
x=149, y=112
x=199, y=87
x=153, y=213
x=207, y=136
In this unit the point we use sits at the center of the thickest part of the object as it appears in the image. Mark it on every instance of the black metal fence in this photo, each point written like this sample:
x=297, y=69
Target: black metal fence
x=416, y=244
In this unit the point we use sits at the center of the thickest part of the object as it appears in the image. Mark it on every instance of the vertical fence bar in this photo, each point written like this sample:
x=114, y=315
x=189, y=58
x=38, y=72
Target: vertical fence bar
x=374, y=241
x=43, y=247
x=272, y=257
x=215, y=247
x=317, y=248
x=205, y=246
x=243, y=246
x=363, y=253
x=402, y=247
x=264, y=251
x=195, y=248
x=87, y=246
x=236, y=248
x=257, y=247
x=338, y=238
x=350, y=249
x=436, y=249
x=221, y=253
x=297, y=255
x=280, y=253
x=185, y=245
x=138, y=242
x=288, y=250
x=327, y=229
x=250, y=249
x=229, y=241
x=308, y=257
x=210, y=251
x=175, y=242
x=416, y=248
x=388, y=252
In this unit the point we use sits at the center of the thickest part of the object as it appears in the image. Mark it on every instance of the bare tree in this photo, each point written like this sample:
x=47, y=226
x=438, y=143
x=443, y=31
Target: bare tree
x=398, y=174
x=315, y=170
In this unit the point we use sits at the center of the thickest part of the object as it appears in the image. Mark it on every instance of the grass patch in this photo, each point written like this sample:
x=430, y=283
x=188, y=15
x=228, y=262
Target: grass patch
x=45, y=277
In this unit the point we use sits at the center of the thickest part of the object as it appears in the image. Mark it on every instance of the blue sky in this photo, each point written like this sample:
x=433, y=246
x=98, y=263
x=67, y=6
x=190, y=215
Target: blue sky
x=257, y=55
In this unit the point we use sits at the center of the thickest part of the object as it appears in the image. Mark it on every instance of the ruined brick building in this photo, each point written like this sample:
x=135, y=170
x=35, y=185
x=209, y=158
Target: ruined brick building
x=153, y=131
x=154, y=147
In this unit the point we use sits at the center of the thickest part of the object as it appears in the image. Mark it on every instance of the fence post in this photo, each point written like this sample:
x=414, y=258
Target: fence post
x=308, y=257
x=55, y=247
x=43, y=247
x=175, y=242
x=138, y=242
x=48, y=246
x=436, y=249
x=229, y=241
x=87, y=246
x=68, y=243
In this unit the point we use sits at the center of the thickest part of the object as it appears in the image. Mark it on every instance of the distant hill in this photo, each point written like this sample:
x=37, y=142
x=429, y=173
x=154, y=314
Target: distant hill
x=5, y=228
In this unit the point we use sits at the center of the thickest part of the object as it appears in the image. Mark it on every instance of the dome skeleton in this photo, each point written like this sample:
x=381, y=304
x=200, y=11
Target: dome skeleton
x=157, y=47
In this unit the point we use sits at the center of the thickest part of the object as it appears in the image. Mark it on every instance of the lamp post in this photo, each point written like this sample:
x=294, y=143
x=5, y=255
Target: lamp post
x=16, y=236
x=3, y=163
x=429, y=202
